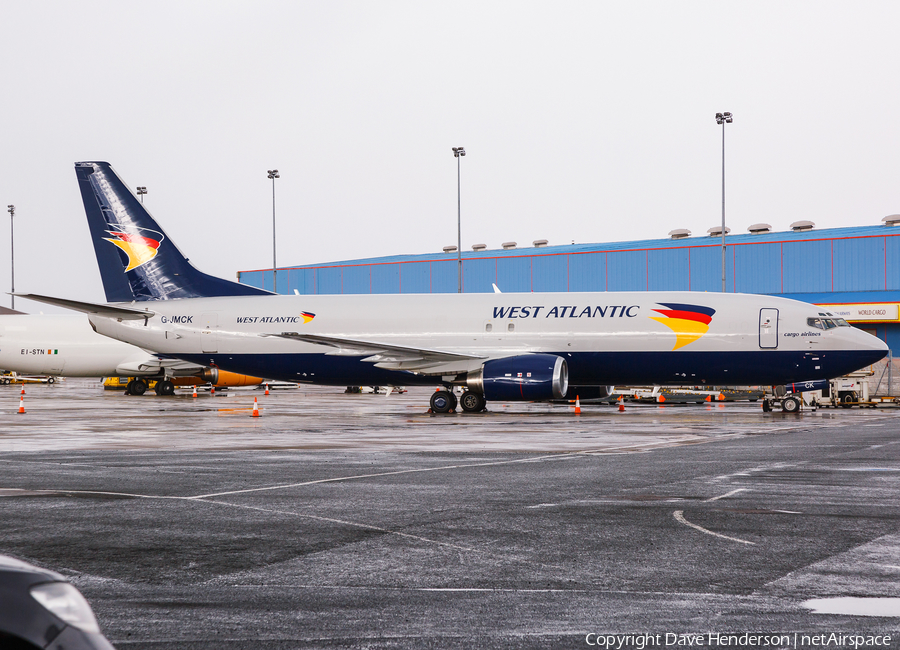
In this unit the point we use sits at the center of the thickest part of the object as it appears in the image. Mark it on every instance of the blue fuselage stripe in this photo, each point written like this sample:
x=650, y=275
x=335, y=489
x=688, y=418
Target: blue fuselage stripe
x=761, y=367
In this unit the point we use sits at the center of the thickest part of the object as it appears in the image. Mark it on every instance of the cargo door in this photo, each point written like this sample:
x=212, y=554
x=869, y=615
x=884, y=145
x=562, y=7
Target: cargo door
x=209, y=338
x=768, y=329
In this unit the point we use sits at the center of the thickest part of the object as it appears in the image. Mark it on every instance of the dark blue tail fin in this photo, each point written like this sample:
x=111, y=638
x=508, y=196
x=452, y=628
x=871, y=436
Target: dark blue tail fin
x=137, y=260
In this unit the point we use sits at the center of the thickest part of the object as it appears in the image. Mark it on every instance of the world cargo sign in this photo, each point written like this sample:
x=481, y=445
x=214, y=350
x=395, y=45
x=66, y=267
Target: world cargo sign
x=865, y=313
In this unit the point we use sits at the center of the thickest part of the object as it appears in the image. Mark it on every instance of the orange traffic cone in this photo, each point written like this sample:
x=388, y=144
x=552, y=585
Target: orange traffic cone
x=721, y=397
x=621, y=405
x=660, y=398
x=195, y=391
x=709, y=398
x=212, y=389
x=255, y=408
x=21, y=405
x=267, y=388
x=23, y=390
x=577, y=406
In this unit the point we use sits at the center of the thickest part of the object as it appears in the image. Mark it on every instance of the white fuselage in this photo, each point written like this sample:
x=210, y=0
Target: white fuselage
x=62, y=344
x=605, y=337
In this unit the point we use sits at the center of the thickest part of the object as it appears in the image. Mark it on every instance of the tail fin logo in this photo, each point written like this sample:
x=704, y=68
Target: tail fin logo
x=140, y=244
x=689, y=322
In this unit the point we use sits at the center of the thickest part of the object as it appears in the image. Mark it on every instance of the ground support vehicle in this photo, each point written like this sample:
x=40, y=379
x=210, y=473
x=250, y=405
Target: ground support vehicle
x=14, y=378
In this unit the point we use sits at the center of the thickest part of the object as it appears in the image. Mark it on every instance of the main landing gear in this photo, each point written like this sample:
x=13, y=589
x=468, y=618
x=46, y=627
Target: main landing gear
x=164, y=387
x=136, y=387
x=445, y=401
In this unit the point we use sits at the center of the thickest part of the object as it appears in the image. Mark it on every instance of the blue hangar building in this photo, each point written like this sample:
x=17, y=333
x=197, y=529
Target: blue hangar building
x=855, y=272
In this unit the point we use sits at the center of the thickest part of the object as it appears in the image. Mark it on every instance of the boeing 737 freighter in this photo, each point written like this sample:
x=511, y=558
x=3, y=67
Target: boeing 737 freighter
x=504, y=347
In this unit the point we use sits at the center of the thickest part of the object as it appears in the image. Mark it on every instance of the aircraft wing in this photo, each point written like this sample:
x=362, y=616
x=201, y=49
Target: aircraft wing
x=111, y=311
x=388, y=355
x=154, y=364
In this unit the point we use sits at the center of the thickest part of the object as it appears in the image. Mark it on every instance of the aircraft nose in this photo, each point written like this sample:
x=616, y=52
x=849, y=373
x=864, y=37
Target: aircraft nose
x=872, y=344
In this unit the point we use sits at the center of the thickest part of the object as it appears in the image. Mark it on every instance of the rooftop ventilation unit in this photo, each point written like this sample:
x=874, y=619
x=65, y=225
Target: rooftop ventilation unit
x=680, y=233
x=716, y=231
x=892, y=220
x=479, y=247
x=801, y=226
x=760, y=228
x=449, y=249
x=508, y=245
x=539, y=243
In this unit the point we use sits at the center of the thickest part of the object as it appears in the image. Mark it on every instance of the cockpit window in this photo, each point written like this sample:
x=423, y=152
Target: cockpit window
x=827, y=323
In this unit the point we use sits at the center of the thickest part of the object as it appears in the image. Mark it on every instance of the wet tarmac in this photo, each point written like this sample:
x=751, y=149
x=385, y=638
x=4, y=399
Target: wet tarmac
x=361, y=521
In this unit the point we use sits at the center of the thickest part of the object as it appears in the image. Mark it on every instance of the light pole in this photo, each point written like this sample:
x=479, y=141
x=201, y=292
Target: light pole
x=273, y=174
x=12, y=253
x=457, y=153
x=140, y=192
x=723, y=119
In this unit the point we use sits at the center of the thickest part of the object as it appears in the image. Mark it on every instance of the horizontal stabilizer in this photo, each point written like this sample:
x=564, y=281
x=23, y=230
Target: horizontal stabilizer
x=110, y=311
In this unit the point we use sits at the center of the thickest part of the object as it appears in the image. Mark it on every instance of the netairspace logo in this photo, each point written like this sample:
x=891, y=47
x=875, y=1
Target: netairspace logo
x=743, y=640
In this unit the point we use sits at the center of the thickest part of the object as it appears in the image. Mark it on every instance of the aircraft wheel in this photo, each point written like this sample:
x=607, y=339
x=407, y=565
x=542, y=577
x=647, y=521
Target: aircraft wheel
x=138, y=387
x=790, y=405
x=472, y=402
x=847, y=400
x=165, y=387
x=441, y=401
x=51, y=380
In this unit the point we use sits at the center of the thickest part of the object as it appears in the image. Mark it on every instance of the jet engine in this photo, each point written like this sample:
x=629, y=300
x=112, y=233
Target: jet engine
x=526, y=377
x=218, y=377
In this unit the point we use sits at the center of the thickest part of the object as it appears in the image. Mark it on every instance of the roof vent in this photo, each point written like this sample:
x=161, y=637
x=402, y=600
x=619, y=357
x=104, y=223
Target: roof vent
x=800, y=226
x=508, y=245
x=716, y=231
x=479, y=247
x=892, y=220
x=680, y=233
x=760, y=228
x=449, y=249
x=540, y=243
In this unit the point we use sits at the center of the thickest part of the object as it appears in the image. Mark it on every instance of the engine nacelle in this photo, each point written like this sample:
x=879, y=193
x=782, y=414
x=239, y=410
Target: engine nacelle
x=815, y=384
x=526, y=377
x=218, y=377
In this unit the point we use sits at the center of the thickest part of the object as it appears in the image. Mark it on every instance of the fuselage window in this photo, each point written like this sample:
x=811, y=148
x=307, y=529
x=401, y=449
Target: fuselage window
x=841, y=322
x=815, y=322
x=488, y=327
x=829, y=323
x=512, y=327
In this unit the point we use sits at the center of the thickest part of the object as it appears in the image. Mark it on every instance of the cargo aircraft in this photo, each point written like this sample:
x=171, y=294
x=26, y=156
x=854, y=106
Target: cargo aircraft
x=495, y=346
x=65, y=344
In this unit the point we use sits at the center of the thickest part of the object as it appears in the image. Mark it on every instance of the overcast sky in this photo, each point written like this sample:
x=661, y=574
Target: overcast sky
x=586, y=121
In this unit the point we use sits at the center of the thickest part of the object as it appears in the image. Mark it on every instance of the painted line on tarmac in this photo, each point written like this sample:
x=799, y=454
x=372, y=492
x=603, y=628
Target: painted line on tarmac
x=537, y=459
x=679, y=516
x=344, y=522
x=726, y=495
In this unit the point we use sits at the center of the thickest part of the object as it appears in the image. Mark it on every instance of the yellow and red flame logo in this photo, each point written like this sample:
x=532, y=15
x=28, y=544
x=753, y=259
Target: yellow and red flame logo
x=689, y=322
x=306, y=316
x=140, y=244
